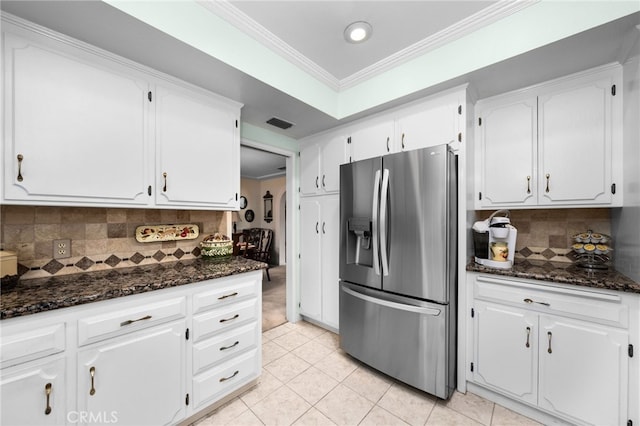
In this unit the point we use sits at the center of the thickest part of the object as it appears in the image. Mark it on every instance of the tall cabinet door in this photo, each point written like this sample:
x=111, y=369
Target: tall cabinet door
x=197, y=148
x=575, y=131
x=310, y=259
x=506, y=355
x=76, y=127
x=584, y=370
x=146, y=390
x=507, y=157
x=330, y=235
x=332, y=155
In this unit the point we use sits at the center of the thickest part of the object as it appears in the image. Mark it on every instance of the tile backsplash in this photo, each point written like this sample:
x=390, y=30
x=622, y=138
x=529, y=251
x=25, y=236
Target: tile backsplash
x=545, y=234
x=101, y=238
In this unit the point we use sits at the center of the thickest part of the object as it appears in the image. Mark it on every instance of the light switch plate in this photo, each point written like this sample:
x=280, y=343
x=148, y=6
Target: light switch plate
x=61, y=249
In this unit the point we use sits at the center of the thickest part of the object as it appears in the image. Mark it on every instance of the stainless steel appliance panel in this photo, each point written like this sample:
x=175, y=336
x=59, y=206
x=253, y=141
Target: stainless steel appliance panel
x=359, y=210
x=417, y=223
x=404, y=338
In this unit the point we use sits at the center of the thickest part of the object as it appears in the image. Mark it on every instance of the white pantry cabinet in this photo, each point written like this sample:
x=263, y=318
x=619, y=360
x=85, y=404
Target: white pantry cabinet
x=319, y=242
x=557, y=144
x=84, y=127
x=320, y=165
x=564, y=351
x=152, y=358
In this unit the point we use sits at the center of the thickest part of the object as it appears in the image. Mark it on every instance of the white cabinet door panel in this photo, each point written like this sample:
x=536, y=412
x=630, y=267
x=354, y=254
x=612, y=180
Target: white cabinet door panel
x=330, y=262
x=372, y=141
x=332, y=155
x=310, y=259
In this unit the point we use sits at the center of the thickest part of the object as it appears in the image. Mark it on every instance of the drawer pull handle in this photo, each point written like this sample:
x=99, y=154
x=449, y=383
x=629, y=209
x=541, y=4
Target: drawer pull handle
x=230, y=319
x=528, y=334
x=228, y=295
x=127, y=322
x=549, y=337
x=47, y=391
x=224, y=379
x=20, y=158
x=92, y=373
x=530, y=301
x=224, y=348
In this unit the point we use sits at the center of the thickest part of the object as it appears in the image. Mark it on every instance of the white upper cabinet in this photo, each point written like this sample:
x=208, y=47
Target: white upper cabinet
x=76, y=127
x=554, y=145
x=372, y=141
x=320, y=163
x=84, y=127
x=197, y=150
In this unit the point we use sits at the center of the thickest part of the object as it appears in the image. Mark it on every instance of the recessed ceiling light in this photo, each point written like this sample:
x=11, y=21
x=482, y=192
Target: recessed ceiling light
x=358, y=32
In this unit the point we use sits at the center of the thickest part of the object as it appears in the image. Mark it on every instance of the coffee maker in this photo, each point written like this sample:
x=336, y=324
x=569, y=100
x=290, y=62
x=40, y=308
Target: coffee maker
x=494, y=240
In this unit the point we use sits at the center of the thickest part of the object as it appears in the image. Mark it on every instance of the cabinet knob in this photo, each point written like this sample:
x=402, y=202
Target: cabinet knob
x=48, y=388
x=20, y=158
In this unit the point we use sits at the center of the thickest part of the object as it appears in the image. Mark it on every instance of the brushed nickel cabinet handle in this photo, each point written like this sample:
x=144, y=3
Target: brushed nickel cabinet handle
x=127, y=322
x=228, y=295
x=47, y=390
x=324, y=224
x=387, y=143
x=92, y=373
x=528, y=184
x=317, y=182
x=403, y=141
x=549, y=335
x=323, y=184
x=230, y=319
x=317, y=232
x=164, y=188
x=224, y=348
x=548, y=176
x=20, y=158
x=224, y=379
x=526, y=345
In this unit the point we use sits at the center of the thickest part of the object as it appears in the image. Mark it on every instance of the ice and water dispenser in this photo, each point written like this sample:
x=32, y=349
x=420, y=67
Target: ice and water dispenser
x=359, y=244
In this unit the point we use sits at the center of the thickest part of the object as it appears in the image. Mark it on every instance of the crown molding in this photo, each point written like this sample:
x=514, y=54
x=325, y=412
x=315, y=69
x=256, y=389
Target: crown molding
x=225, y=10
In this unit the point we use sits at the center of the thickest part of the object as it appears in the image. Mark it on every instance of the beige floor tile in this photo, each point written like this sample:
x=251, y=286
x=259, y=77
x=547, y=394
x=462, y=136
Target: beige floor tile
x=282, y=407
x=287, y=367
x=267, y=383
x=291, y=340
x=313, y=417
x=276, y=332
x=410, y=405
x=379, y=416
x=312, y=384
x=337, y=365
x=368, y=383
x=472, y=406
x=306, y=328
x=505, y=417
x=344, y=407
x=329, y=339
x=247, y=418
x=272, y=351
x=312, y=352
x=442, y=415
x=227, y=414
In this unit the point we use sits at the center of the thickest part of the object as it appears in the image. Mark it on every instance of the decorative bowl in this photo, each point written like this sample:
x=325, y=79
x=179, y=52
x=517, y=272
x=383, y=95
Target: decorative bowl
x=216, y=245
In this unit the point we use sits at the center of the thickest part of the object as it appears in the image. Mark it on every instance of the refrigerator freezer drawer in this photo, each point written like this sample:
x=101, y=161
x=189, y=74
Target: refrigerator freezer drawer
x=408, y=341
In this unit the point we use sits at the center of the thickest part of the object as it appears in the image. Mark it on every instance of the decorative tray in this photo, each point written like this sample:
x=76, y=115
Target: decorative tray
x=155, y=233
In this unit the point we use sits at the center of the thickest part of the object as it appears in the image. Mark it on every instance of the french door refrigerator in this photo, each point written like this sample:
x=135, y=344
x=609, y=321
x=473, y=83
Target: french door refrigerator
x=398, y=266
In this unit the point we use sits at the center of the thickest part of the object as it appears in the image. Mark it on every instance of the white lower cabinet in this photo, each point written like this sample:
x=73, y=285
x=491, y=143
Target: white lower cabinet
x=156, y=358
x=34, y=393
x=136, y=379
x=563, y=351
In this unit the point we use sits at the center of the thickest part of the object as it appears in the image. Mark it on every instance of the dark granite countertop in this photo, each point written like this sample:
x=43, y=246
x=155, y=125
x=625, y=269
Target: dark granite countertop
x=45, y=294
x=564, y=273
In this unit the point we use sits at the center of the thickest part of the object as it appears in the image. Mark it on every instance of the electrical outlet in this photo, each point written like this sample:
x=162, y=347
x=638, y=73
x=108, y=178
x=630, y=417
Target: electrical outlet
x=61, y=249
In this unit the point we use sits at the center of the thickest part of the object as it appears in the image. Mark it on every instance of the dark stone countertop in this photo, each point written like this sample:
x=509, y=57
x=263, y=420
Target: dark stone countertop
x=563, y=273
x=45, y=294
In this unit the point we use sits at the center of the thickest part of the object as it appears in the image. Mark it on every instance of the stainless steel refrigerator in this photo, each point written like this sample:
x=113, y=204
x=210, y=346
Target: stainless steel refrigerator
x=398, y=266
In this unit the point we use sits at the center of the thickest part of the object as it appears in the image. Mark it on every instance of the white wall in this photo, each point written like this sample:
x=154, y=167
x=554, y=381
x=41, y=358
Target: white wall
x=625, y=223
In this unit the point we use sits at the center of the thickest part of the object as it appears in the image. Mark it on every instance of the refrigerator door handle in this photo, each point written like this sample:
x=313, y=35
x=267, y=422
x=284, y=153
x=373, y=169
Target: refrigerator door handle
x=374, y=225
x=383, y=222
x=394, y=305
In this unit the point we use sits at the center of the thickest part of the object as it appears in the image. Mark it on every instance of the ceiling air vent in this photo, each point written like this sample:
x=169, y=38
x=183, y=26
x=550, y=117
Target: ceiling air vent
x=275, y=121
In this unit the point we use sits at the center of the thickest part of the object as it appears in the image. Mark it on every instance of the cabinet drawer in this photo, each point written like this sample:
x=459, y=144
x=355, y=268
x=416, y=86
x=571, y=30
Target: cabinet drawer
x=31, y=344
x=577, y=303
x=221, y=380
x=224, y=318
x=99, y=327
x=223, y=346
x=234, y=290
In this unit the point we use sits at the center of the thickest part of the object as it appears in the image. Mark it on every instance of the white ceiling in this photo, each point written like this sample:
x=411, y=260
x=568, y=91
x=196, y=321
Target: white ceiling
x=258, y=164
x=309, y=35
